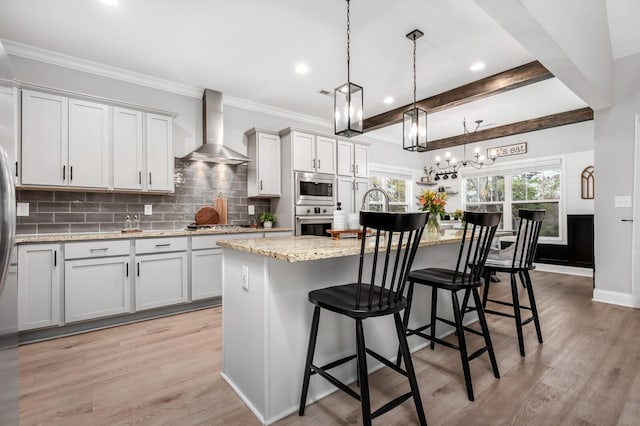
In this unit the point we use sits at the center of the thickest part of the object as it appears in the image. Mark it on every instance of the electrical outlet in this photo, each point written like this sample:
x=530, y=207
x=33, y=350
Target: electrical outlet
x=251, y=209
x=245, y=277
x=622, y=201
x=22, y=209
x=148, y=209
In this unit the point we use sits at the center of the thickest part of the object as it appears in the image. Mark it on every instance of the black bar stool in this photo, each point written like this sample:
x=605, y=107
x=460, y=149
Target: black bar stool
x=477, y=235
x=379, y=295
x=524, y=252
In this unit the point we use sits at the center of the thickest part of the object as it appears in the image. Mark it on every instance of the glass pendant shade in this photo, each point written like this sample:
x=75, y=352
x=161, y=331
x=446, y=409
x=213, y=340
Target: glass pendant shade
x=348, y=116
x=414, y=128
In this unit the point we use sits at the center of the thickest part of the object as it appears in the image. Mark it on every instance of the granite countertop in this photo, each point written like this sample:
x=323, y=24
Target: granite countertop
x=304, y=248
x=54, y=238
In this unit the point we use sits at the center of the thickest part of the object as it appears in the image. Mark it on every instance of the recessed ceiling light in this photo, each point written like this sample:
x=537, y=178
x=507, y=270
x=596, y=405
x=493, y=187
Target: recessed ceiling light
x=477, y=66
x=302, y=69
x=110, y=2
x=388, y=100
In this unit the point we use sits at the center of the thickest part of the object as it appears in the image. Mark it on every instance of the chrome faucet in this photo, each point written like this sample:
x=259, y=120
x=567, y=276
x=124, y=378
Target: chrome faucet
x=369, y=191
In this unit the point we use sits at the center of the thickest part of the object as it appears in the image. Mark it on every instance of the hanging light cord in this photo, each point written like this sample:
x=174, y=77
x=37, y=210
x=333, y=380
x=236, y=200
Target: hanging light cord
x=414, y=72
x=348, y=43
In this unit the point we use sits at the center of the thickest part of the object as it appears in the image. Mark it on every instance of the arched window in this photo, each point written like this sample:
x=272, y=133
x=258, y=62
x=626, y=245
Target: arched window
x=587, y=183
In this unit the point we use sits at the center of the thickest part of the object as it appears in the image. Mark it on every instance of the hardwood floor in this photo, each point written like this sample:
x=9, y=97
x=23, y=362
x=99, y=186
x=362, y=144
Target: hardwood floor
x=166, y=372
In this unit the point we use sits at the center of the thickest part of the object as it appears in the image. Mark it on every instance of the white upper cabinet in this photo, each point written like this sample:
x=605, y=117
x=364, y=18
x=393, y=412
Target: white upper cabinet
x=325, y=155
x=263, y=173
x=8, y=132
x=89, y=126
x=127, y=149
x=159, y=153
x=361, y=162
x=352, y=159
x=44, y=139
x=315, y=154
x=346, y=193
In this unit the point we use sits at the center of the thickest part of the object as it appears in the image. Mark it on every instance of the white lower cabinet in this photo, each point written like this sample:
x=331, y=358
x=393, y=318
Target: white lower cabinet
x=96, y=288
x=161, y=280
x=206, y=273
x=39, y=286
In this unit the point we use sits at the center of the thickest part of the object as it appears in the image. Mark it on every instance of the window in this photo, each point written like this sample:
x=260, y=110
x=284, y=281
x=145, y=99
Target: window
x=510, y=190
x=397, y=183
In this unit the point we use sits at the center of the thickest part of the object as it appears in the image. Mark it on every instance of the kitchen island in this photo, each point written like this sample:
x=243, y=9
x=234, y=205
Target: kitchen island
x=267, y=315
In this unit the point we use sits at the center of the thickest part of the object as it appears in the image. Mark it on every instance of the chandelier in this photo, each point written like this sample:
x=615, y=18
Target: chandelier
x=414, y=121
x=453, y=165
x=348, y=98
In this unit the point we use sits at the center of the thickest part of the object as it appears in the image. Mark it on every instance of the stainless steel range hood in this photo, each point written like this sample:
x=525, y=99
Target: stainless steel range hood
x=213, y=149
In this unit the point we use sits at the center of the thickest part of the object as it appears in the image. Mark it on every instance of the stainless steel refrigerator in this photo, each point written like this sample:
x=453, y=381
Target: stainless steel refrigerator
x=9, y=384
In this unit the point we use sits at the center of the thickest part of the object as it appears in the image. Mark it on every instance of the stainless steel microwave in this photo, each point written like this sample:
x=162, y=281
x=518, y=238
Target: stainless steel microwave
x=314, y=189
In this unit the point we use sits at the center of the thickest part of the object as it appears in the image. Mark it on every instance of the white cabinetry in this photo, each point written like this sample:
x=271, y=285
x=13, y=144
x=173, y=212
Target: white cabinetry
x=65, y=142
x=206, y=268
x=45, y=138
x=8, y=131
x=263, y=173
x=8, y=297
x=352, y=159
x=312, y=153
x=161, y=278
x=97, y=279
x=127, y=149
x=350, y=192
x=39, y=285
x=159, y=153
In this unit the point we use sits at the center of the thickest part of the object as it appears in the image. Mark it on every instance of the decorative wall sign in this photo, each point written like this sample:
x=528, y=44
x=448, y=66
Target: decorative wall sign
x=506, y=150
x=587, y=183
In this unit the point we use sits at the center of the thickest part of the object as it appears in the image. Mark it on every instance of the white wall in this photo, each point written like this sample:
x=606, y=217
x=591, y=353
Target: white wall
x=574, y=143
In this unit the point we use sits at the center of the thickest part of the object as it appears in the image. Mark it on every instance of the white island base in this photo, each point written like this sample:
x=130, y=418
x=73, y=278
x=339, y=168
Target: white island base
x=266, y=326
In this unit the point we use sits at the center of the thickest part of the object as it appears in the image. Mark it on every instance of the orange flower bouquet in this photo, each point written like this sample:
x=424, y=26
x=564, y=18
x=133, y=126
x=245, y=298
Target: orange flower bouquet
x=435, y=203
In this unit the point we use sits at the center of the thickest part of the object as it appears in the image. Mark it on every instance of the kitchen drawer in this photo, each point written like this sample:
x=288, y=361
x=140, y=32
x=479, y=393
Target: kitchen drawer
x=97, y=249
x=200, y=242
x=160, y=245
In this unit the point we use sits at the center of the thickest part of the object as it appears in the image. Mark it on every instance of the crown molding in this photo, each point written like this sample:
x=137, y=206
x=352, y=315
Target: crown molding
x=50, y=57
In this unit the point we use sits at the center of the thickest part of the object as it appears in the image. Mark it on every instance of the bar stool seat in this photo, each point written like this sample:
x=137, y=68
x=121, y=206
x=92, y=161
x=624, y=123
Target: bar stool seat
x=477, y=235
x=376, y=295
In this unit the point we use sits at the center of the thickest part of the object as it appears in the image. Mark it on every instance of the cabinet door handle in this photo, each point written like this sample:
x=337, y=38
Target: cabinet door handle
x=163, y=245
x=55, y=258
x=138, y=265
x=319, y=164
x=64, y=173
x=149, y=178
x=99, y=249
x=71, y=173
x=16, y=169
x=140, y=178
x=352, y=168
x=127, y=269
x=357, y=171
x=260, y=185
x=314, y=163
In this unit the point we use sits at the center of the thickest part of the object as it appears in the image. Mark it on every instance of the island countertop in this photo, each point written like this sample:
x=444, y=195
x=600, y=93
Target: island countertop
x=306, y=248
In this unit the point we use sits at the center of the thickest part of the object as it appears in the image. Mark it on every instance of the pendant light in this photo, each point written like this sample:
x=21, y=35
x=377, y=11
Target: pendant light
x=414, y=123
x=348, y=99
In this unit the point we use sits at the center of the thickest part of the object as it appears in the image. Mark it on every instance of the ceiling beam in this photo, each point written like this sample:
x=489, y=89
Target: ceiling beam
x=514, y=78
x=546, y=122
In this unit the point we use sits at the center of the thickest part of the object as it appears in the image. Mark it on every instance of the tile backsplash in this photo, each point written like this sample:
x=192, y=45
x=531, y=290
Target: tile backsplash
x=197, y=184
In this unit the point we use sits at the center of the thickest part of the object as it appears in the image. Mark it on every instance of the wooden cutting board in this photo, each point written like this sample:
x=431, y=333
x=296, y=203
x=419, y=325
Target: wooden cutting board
x=220, y=204
x=207, y=216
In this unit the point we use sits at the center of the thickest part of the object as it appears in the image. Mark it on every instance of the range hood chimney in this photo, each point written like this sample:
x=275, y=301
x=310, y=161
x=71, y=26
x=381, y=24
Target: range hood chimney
x=213, y=149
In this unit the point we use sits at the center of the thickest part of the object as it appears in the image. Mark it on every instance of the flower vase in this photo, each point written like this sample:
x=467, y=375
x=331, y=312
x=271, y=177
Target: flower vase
x=433, y=225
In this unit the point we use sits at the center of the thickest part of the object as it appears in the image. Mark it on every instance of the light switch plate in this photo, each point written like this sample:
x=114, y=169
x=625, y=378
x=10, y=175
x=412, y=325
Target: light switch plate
x=622, y=201
x=148, y=209
x=251, y=209
x=22, y=209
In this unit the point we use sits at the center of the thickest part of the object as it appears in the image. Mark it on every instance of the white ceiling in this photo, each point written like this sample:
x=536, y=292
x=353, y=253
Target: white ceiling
x=248, y=49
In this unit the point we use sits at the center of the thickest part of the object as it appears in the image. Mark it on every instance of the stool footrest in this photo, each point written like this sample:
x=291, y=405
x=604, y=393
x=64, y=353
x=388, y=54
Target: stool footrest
x=334, y=364
x=335, y=382
x=386, y=362
x=502, y=314
x=478, y=353
x=411, y=332
x=391, y=404
x=500, y=302
x=528, y=320
x=453, y=324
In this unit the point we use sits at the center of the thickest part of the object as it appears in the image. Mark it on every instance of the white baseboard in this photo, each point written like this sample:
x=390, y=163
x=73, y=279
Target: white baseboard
x=614, y=298
x=569, y=270
x=244, y=399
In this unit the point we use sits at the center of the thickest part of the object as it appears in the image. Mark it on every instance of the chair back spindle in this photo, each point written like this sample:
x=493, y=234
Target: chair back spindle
x=527, y=238
x=478, y=232
x=396, y=255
